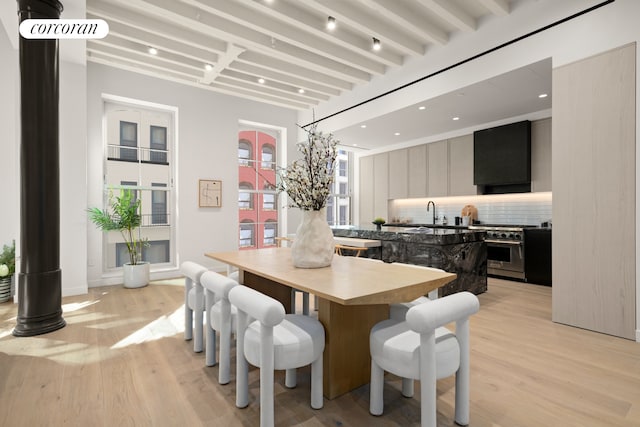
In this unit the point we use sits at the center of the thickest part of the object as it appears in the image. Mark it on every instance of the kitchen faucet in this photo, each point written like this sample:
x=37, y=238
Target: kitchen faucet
x=434, y=210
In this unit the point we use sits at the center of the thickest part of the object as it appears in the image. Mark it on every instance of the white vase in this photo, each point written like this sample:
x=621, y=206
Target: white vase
x=136, y=276
x=313, y=245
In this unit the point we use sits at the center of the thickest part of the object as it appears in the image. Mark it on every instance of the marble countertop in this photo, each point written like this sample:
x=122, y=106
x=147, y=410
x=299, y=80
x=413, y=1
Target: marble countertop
x=412, y=234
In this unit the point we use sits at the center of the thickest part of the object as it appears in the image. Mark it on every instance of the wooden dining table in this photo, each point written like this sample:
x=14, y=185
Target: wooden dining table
x=353, y=295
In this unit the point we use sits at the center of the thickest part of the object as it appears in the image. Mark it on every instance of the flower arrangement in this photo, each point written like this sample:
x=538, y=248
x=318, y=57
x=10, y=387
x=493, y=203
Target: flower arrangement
x=308, y=180
x=8, y=260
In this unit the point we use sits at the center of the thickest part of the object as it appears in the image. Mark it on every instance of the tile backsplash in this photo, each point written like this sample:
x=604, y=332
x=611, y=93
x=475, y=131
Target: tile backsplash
x=521, y=208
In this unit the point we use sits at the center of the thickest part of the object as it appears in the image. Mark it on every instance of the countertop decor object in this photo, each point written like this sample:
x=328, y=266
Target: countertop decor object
x=379, y=222
x=307, y=181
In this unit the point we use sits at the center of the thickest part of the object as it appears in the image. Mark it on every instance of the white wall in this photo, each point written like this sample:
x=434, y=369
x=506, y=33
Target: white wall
x=611, y=26
x=207, y=137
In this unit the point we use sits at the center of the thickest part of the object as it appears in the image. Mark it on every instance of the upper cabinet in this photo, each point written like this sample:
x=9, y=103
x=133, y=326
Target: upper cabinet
x=417, y=180
x=461, y=166
x=541, y=155
x=438, y=169
x=398, y=174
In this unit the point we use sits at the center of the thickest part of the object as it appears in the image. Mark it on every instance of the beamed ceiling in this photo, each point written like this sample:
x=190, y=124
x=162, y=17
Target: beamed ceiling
x=284, y=42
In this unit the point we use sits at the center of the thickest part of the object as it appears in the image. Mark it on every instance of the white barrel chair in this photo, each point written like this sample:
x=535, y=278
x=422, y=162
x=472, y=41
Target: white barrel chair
x=274, y=340
x=221, y=317
x=194, y=303
x=420, y=348
x=399, y=310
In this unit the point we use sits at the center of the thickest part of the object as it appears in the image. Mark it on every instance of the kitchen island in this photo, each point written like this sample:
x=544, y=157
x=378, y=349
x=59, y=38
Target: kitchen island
x=453, y=249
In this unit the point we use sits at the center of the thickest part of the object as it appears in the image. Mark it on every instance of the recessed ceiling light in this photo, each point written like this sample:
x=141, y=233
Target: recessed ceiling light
x=363, y=126
x=331, y=23
x=397, y=134
x=422, y=107
x=261, y=80
x=376, y=44
x=542, y=95
x=456, y=118
x=152, y=50
x=300, y=90
x=355, y=145
x=208, y=67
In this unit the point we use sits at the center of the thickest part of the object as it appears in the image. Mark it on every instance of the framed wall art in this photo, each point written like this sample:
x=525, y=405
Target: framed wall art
x=209, y=193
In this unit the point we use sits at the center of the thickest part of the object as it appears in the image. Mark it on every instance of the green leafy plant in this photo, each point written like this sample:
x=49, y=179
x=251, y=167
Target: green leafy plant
x=124, y=217
x=379, y=221
x=8, y=260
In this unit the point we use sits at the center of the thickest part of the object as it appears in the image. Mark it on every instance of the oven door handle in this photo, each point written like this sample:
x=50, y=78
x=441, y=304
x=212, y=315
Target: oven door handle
x=504, y=242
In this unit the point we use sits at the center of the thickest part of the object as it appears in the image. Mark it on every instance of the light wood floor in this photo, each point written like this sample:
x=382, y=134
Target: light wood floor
x=122, y=361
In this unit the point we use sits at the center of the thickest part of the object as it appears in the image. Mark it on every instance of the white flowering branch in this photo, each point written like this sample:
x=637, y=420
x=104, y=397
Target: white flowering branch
x=308, y=180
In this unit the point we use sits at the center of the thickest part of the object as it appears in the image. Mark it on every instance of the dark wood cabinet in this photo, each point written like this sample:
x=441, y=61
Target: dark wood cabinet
x=537, y=256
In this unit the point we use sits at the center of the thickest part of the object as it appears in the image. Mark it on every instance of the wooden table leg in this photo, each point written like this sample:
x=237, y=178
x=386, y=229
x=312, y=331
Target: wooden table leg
x=268, y=287
x=347, y=360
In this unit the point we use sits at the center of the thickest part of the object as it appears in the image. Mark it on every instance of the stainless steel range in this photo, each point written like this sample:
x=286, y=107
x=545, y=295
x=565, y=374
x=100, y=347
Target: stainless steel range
x=505, y=249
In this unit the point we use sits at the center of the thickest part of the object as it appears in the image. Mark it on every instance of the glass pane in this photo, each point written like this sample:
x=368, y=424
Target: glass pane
x=128, y=138
x=158, y=142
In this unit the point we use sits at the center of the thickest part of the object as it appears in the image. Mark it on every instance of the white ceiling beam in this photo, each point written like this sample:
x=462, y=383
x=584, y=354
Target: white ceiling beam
x=208, y=23
x=124, y=45
x=262, y=89
x=225, y=59
x=162, y=43
x=403, y=16
x=283, y=31
x=111, y=12
x=451, y=13
x=286, y=90
x=362, y=20
x=308, y=22
x=147, y=60
x=307, y=85
x=497, y=7
x=225, y=88
x=275, y=64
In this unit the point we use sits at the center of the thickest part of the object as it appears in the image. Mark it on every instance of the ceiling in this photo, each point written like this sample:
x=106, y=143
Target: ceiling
x=524, y=93
x=284, y=42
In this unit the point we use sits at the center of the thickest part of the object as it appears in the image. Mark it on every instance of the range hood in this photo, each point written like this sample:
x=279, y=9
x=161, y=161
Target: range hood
x=502, y=159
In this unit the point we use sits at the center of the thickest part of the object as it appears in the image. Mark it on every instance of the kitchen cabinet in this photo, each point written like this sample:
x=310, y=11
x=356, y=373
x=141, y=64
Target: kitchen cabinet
x=437, y=169
x=594, y=177
x=417, y=179
x=367, y=190
x=537, y=256
x=398, y=174
x=461, y=166
x=541, y=155
x=380, y=186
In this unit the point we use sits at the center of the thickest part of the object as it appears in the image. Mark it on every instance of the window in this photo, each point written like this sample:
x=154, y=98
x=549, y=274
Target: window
x=342, y=167
x=159, y=205
x=128, y=141
x=339, y=202
x=245, y=198
x=156, y=252
x=158, y=144
x=269, y=201
x=246, y=235
x=267, y=157
x=244, y=152
x=131, y=184
x=257, y=196
x=269, y=233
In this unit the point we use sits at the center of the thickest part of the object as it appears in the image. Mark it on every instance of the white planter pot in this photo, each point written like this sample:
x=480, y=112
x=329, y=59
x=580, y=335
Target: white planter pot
x=136, y=276
x=313, y=245
x=5, y=288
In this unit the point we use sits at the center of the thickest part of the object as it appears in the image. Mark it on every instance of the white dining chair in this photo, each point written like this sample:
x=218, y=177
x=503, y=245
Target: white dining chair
x=274, y=340
x=399, y=310
x=194, y=303
x=422, y=349
x=221, y=317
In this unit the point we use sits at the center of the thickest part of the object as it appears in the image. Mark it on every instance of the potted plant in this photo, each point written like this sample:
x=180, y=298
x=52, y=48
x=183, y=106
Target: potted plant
x=7, y=268
x=125, y=217
x=379, y=222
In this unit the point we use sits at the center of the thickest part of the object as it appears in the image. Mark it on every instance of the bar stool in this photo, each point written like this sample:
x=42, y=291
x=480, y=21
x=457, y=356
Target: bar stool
x=355, y=249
